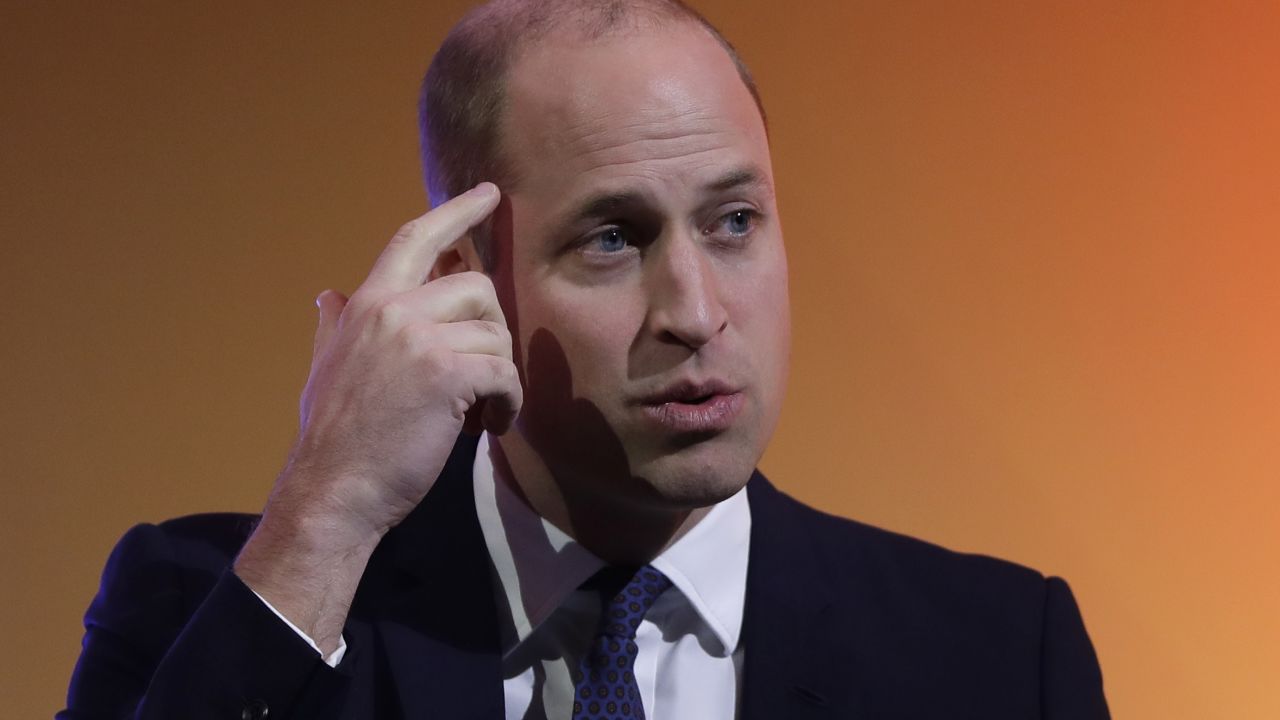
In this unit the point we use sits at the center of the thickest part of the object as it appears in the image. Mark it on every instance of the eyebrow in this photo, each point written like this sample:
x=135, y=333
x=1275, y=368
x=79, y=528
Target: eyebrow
x=605, y=204
x=744, y=176
x=611, y=203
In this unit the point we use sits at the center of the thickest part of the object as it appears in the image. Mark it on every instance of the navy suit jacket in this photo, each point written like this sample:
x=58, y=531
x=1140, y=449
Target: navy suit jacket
x=842, y=620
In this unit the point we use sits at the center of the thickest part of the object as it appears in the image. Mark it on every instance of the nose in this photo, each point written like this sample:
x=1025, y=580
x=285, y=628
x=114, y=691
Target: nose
x=685, y=305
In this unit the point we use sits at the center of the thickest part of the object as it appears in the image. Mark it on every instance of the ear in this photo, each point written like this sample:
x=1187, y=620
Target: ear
x=458, y=257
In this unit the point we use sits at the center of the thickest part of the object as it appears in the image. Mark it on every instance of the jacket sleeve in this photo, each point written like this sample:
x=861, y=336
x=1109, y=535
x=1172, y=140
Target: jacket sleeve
x=173, y=633
x=1070, y=678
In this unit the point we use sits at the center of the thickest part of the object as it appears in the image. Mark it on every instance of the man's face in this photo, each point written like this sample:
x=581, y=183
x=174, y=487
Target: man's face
x=641, y=266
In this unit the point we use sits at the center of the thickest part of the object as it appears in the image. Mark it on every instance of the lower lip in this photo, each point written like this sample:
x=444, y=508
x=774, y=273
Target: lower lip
x=715, y=414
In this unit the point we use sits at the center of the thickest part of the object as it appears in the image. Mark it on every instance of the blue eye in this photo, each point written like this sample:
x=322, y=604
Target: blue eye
x=738, y=222
x=735, y=224
x=609, y=240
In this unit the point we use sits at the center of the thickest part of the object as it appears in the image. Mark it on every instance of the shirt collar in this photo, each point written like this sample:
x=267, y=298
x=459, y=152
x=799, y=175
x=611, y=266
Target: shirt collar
x=538, y=566
x=708, y=565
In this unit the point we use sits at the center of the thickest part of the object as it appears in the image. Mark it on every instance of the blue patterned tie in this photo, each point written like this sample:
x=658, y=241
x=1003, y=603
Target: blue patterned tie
x=607, y=686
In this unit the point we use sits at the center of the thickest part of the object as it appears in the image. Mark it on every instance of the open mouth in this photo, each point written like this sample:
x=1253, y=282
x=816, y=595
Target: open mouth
x=704, y=413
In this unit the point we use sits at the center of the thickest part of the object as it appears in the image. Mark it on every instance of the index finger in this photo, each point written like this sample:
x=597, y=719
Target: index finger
x=407, y=259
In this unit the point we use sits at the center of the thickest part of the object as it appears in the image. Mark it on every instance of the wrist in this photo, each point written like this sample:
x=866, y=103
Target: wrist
x=307, y=567
x=330, y=502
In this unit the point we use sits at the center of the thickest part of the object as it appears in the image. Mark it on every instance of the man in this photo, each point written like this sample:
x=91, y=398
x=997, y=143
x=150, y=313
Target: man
x=608, y=319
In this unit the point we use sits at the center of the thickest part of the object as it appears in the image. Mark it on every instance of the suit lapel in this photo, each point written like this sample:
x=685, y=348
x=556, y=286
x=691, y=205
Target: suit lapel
x=436, y=616
x=789, y=657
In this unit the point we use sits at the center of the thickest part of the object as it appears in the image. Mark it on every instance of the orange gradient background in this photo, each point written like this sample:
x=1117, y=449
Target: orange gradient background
x=1034, y=265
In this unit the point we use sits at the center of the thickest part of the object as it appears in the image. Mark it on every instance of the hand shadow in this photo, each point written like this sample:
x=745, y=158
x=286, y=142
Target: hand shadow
x=583, y=453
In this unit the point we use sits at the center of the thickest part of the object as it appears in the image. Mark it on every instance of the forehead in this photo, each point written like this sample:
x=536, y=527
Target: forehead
x=655, y=104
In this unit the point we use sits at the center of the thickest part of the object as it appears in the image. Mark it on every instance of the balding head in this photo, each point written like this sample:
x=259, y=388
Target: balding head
x=463, y=94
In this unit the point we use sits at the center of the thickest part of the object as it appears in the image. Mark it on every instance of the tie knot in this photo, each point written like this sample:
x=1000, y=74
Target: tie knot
x=628, y=593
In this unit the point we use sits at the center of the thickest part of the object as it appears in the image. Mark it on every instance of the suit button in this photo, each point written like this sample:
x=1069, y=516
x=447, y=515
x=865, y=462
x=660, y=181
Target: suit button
x=256, y=710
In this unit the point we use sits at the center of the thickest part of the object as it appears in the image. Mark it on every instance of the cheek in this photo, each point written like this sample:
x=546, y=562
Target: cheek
x=759, y=296
x=590, y=332
x=761, y=304
x=596, y=337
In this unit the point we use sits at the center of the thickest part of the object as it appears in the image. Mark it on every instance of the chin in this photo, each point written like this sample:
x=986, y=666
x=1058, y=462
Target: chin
x=698, y=475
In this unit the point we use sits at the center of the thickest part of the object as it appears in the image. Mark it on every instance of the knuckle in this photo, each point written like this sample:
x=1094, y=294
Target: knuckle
x=474, y=281
x=361, y=300
x=412, y=342
x=436, y=360
x=459, y=407
x=502, y=336
x=406, y=231
x=388, y=313
x=505, y=370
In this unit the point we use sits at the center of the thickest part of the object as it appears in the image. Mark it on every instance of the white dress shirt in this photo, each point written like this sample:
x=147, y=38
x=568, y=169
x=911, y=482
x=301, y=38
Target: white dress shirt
x=689, y=665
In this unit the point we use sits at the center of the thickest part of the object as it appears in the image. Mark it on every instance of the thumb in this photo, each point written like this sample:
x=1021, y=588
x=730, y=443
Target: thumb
x=331, y=303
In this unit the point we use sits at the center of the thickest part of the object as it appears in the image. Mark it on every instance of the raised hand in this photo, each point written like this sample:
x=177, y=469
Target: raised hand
x=396, y=371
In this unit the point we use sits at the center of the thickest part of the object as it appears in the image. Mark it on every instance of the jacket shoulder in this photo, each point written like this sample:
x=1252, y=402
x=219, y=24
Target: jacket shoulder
x=178, y=559
x=173, y=633
x=909, y=559
x=215, y=534
x=919, y=582
x=932, y=632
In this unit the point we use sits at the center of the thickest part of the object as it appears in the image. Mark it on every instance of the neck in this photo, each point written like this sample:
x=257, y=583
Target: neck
x=597, y=512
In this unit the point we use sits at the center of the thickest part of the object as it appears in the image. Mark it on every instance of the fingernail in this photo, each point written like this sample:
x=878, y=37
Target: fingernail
x=485, y=188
